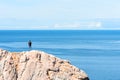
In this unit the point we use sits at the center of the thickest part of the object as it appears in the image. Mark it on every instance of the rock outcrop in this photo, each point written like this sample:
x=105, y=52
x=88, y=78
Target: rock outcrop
x=36, y=65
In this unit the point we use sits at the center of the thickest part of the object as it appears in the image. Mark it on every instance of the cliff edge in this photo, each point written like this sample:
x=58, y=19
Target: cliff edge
x=36, y=65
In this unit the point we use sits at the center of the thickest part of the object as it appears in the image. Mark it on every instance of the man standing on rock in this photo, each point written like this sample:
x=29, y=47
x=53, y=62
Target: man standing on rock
x=29, y=43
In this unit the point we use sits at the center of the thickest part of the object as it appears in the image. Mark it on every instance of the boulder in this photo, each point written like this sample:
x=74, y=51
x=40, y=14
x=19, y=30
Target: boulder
x=37, y=65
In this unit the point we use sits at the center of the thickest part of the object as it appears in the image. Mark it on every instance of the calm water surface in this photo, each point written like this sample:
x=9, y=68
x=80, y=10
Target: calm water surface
x=96, y=52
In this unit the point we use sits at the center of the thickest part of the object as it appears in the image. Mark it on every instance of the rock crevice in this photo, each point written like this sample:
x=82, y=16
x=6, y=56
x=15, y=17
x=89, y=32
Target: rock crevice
x=37, y=65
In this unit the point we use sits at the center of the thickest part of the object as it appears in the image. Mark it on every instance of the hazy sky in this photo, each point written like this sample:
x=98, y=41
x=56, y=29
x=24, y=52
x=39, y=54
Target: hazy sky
x=57, y=14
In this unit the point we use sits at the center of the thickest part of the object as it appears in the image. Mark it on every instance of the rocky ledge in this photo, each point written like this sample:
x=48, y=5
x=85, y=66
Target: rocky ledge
x=37, y=65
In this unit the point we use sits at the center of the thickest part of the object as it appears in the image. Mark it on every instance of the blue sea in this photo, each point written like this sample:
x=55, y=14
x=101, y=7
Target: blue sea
x=97, y=52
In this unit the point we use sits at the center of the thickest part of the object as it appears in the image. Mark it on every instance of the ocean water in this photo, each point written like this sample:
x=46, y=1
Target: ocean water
x=97, y=52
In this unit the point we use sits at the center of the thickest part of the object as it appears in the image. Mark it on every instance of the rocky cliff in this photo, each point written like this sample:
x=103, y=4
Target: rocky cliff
x=36, y=65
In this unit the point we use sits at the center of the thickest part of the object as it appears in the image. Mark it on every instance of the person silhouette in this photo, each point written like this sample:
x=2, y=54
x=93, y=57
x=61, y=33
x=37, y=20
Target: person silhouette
x=29, y=43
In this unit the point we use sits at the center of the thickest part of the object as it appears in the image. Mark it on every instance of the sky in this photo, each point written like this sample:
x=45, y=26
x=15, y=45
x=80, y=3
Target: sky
x=59, y=14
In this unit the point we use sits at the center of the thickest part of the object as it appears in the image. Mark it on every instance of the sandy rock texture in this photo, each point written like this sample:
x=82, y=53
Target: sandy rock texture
x=37, y=65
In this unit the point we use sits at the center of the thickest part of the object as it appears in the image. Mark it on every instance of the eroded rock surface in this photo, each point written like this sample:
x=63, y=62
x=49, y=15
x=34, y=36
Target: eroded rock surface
x=36, y=65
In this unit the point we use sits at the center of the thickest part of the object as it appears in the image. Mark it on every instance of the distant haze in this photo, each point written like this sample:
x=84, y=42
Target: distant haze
x=59, y=14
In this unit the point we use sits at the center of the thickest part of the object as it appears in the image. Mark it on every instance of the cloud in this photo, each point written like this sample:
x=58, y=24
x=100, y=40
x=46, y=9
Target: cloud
x=94, y=25
x=74, y=25
x=79, y=25
x=35, y=26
